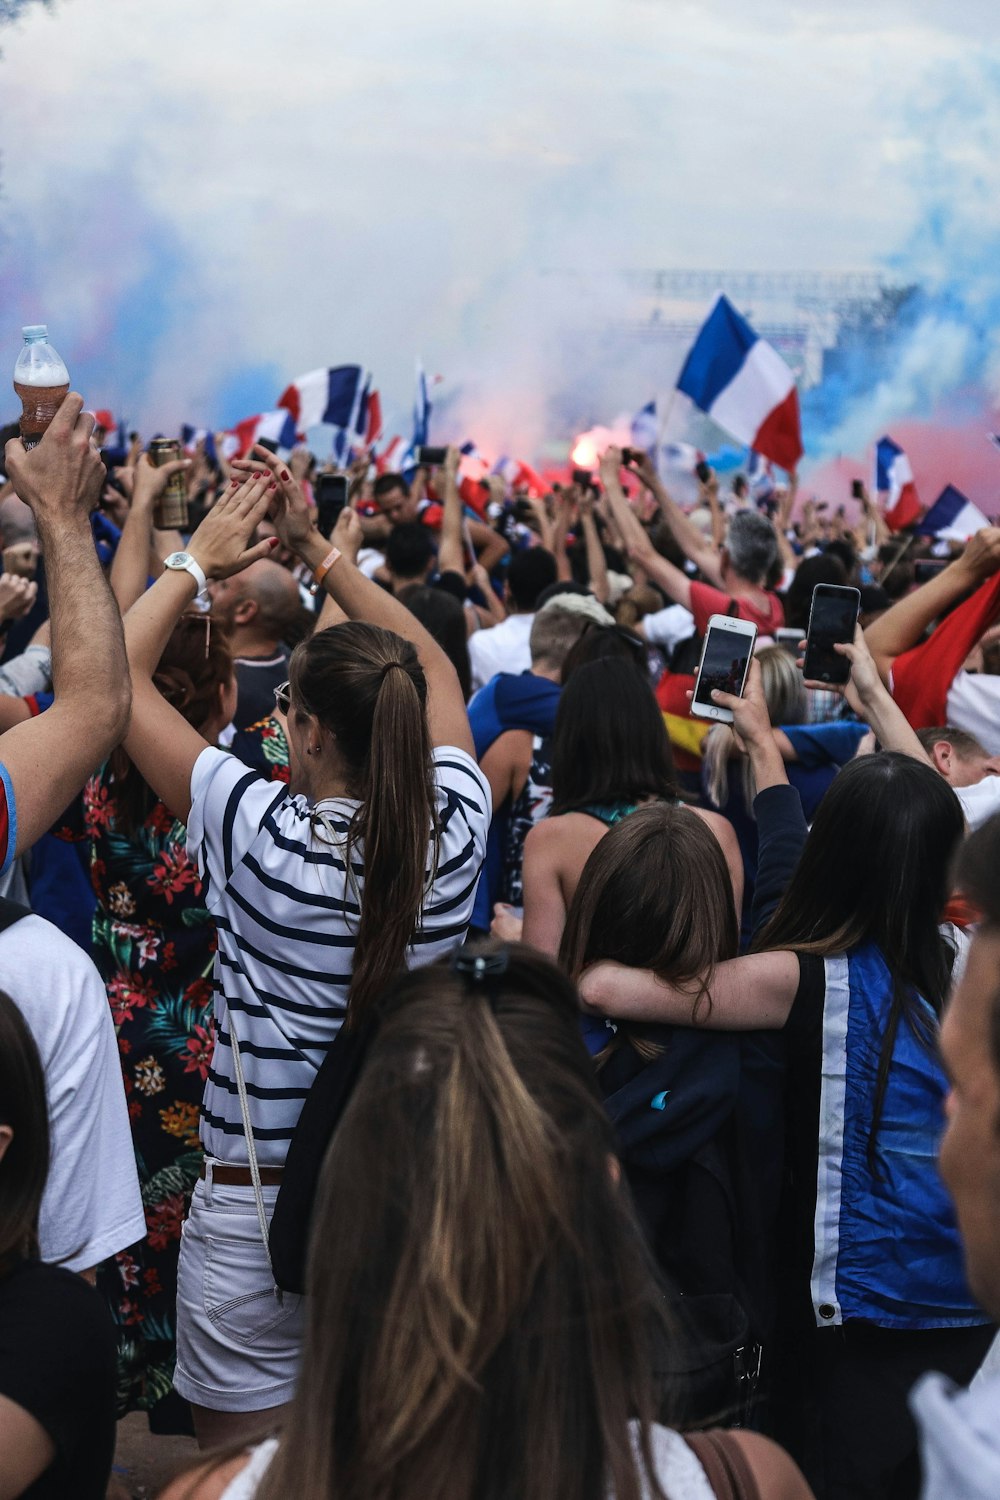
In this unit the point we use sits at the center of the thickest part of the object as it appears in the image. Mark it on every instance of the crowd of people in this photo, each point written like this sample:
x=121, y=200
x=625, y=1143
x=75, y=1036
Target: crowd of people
x=434, y=1062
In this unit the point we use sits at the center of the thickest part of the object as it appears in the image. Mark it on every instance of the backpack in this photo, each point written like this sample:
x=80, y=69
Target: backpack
x=699, y=1202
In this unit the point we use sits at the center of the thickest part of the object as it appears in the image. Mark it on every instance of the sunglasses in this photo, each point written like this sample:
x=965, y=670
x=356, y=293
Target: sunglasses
x=283, y=697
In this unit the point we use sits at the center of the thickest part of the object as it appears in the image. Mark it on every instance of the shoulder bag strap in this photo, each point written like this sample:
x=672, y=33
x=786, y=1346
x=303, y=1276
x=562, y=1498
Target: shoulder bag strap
x=725, y=1465
x=258, y=1193
x=11, y=912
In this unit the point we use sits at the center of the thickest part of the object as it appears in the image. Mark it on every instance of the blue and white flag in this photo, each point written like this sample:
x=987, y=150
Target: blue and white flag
x=952, y=517
x=421, y=410
x=645, y=428
x=192, y=436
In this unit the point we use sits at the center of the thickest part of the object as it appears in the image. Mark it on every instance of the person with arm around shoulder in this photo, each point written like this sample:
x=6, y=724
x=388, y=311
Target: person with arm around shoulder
x=482, y=1174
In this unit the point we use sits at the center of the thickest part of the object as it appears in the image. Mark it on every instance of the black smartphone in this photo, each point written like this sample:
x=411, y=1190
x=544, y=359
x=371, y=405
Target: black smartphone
x=331, y=498
x=703, y=471
x=832, y=621
x=431, y=457
x=928, y=568
x=582, y=478
x=268, y=443
x=857, y=489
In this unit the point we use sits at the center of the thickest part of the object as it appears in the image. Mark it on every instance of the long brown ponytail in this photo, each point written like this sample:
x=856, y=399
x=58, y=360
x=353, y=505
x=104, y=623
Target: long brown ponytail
x=366, y=685
x=481, y=1313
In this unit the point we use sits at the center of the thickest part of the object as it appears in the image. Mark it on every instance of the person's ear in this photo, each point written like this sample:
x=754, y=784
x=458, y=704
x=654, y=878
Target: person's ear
x=245, y=611
x=942, y=755
x=6, y=1136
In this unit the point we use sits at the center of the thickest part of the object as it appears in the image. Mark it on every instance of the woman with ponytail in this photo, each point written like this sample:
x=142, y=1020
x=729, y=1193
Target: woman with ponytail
x=365, y=862
x=483, y=1322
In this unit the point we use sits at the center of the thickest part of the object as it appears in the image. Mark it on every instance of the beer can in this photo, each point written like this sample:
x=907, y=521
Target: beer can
x=171, y=510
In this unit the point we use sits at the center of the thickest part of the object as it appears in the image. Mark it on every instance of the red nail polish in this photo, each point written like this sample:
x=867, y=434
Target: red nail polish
x=272, y=542
x=285, y=474
x=234, y=481
x=273, y=485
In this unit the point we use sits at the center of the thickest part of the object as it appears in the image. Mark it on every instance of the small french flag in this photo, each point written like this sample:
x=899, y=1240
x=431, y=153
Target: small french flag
x=744, y=384
x=276, y=426
x=518, y=475
x=395, y=458
x=952, y=517
x=192, y=436
x=894, y=479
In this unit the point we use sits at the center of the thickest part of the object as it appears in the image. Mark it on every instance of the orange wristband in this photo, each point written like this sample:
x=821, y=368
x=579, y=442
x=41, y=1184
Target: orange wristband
x=324, y=567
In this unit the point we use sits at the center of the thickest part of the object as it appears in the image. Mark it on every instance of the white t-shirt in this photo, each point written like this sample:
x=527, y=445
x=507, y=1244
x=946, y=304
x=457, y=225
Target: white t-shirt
x=679, y=1472
x=92, y=1207
x=287, y=919
x=668, y=627
x=979, y=801
x=500, y=648
x=973, y=704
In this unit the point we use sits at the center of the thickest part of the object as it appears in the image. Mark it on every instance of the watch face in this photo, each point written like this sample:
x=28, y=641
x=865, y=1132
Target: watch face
x=177, y=560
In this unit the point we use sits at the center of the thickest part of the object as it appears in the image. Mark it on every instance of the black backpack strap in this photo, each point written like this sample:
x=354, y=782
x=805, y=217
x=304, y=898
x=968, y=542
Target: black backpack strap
x=11, y=912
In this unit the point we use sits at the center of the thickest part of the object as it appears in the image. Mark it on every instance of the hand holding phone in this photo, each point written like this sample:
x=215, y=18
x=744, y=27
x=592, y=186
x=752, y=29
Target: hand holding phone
x=431, y=458
x=833, y=617
x=725, y=661
x=331, y=498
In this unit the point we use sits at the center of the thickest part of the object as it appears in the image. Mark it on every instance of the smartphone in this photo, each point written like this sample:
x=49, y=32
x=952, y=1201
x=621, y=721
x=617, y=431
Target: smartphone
x=833, y=616
x=857, y=489
x=430, y=457
x=583, y=479
x=268, y=443
x=632, y=455
x=331, y=498
x=703, y=471
x=725, y=661
x=928, y=568
x=788, y=638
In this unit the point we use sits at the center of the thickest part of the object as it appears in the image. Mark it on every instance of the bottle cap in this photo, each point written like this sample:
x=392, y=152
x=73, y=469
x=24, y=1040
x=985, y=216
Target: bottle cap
x=33, y=331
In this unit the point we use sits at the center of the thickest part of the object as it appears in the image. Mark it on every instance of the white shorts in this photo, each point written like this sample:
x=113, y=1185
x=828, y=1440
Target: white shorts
x=238, y=1343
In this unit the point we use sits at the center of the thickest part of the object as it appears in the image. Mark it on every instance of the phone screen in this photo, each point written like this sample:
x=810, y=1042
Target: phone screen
x=431, y=457
x=331, y=497
x=724, y=665
x=832, y=619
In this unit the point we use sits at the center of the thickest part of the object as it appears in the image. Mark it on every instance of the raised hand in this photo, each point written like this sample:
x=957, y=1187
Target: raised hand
x=17, y=595
x=347, y=534
x=293, y=517
x=221, y=543
x=150, y=481
x=63, y=476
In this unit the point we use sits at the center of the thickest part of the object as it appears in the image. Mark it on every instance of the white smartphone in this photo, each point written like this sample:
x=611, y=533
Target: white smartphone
x=725, y=661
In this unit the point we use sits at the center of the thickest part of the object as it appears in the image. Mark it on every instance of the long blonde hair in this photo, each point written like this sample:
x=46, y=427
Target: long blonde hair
x=785, y=695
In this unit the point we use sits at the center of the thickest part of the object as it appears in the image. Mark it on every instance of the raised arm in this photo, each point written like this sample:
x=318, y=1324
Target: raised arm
x=489, y=545
x=130, y=567
x=904, y=624
x=160, y=741
x=684, y=532
x=451, y=549
x=49, y=758
x=597, y=563
x=871, y=700
x=360, y=599
x=672, y=580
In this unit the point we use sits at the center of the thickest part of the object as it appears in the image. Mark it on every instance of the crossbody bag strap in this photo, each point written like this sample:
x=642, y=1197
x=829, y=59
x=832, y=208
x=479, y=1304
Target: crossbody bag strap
x=725, y=1464
x=258, y=1192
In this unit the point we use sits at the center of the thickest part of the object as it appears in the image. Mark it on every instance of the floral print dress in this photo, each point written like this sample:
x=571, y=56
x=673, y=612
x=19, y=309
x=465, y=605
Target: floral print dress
x=154, y=944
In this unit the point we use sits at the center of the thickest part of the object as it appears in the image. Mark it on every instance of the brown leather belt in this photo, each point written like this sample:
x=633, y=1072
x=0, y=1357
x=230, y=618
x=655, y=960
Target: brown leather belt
x=227, y=1176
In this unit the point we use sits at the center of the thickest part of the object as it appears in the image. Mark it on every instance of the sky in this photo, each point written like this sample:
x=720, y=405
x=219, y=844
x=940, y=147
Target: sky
x=205, y=198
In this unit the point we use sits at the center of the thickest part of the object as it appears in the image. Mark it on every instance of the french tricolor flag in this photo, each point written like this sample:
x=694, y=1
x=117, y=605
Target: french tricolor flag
x=744, y=384
x=952, y=517
x=894, y=479
x=192, y=436
x=334, y=396
x=276, y=426
x=518, y=475
x=395, y=458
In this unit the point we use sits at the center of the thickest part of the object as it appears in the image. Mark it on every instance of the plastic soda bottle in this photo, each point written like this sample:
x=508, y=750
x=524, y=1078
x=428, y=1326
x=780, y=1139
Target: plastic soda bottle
x=41, y=380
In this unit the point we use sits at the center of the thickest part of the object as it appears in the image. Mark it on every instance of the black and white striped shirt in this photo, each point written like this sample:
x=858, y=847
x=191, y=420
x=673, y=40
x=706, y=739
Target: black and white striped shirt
x=287, y=919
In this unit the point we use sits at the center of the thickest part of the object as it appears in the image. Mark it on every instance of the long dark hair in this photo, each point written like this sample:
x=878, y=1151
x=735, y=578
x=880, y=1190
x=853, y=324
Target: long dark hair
x=366, y=685
x=480, y=1320
x=25, y=1166
x=195, y=664
x=875, y=869
x=610, y=743
x=655, y=894
x=442, y=615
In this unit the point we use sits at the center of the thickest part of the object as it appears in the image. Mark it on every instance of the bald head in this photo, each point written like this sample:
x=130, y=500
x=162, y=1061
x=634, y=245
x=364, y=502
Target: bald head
x=262, y=602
